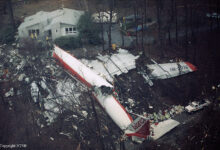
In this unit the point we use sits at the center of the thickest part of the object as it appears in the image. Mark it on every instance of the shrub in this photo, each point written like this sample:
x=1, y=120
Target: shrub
x=68, y=42
x=7, y=35
x=88, y=30
x=30, y=46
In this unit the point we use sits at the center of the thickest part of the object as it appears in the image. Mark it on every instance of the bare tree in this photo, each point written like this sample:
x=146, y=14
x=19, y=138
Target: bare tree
x=159, y=5
x=136, y=21
x=176, y=19
x=11, y=14
x=111, y=6
x=186, y=28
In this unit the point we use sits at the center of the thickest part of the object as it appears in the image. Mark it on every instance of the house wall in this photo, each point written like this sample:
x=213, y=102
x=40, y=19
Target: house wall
x=24, y=32
x=55, y=29
x=46, y=23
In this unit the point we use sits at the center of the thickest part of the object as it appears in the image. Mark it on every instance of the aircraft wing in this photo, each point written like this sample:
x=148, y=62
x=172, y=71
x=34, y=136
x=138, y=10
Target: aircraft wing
x=169, y=70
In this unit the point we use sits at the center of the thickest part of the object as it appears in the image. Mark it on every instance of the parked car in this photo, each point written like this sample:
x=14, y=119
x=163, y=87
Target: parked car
x=195, y=105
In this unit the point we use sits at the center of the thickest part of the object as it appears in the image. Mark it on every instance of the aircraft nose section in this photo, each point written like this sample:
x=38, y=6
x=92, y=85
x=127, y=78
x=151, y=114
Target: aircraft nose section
x=191, y=66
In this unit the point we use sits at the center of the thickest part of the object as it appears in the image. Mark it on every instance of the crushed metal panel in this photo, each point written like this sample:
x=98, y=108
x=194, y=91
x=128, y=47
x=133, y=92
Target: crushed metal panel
x=163, y=127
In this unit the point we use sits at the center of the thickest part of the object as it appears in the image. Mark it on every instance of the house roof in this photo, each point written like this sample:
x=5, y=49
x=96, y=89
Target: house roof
x=48, y=19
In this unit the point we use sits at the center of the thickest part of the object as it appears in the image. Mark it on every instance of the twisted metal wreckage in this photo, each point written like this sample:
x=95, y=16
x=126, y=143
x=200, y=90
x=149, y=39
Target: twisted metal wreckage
x=140, y=128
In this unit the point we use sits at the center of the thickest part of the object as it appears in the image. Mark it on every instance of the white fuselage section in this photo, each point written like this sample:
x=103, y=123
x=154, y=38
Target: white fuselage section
x=112, y=106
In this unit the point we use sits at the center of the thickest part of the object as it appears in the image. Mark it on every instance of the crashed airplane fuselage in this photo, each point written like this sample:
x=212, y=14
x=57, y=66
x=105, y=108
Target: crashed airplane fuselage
x=138, y=128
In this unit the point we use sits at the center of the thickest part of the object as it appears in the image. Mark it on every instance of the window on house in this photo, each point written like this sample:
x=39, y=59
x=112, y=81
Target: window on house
x=34, y=32
x=49, y=33
x=70, y=30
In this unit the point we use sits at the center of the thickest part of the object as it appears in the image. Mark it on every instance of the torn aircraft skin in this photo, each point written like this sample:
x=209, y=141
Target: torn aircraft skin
x=167, y=70
x=138, y=129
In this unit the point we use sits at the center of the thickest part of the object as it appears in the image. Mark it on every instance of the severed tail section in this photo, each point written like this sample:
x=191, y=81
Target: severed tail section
x=139, y=129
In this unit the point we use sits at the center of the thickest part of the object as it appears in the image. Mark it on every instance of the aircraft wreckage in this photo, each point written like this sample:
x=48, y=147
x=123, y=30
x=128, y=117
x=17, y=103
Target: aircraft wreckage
x=140, y=128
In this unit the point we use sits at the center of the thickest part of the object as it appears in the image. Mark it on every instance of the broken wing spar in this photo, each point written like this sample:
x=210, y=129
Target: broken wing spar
x=138, y=128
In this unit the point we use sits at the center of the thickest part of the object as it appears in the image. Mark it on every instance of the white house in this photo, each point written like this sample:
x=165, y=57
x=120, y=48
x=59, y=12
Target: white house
x=61, y=22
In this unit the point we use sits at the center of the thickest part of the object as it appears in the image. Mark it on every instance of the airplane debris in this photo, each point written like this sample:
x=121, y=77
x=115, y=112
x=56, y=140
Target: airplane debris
x=84, y=113
x=116, y=64
x=163, y=127
x=51, y=138
x=169, y=70
x=27, y=80
x=131, y=101
x=139, y=127
x=10, y=93
x=35, y=92
x=21, y=77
